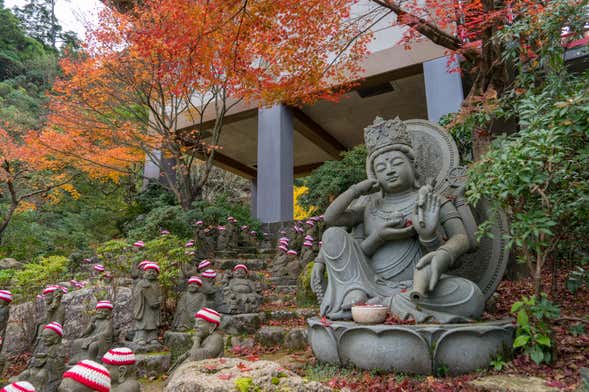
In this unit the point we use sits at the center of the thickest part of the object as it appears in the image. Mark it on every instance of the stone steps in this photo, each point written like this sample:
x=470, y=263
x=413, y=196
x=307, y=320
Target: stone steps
x=281, y=315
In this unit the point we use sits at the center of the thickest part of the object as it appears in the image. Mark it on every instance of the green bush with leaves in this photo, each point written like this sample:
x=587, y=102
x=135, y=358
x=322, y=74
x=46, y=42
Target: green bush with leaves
x=539, y=175
x=334, y=177
x=30, y=281
x=533, y=334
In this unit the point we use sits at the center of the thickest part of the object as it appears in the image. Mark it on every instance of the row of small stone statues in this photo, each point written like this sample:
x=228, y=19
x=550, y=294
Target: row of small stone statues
x=230, y=237
x=46, y=371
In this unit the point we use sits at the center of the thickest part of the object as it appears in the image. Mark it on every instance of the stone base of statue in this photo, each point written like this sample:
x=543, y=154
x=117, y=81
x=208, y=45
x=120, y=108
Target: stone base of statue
x=153, y=364
x=418, y=349
x=240, y=324
x=178, y=343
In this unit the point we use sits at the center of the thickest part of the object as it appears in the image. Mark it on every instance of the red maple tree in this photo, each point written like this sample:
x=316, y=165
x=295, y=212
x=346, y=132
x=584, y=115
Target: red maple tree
x=143, y=71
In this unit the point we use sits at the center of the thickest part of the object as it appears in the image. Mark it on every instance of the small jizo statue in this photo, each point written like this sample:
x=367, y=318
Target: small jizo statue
x=240, y=294
x=86, y=376
x=189, y=303
x=147, y=295
x=206, y=342
x=209, y=289
x=5, y=300
x=98, y=336
x=47, y=364
x=307, y=251
x=287, y=266
x=120, y=363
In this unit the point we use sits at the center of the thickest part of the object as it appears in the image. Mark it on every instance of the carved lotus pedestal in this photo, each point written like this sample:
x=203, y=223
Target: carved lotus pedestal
x=419, y=349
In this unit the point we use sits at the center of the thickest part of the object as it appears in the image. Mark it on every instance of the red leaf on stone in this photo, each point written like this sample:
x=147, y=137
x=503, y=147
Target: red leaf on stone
x=252, y=358
x=325, y=322
x=243, y=367
x=225, y=376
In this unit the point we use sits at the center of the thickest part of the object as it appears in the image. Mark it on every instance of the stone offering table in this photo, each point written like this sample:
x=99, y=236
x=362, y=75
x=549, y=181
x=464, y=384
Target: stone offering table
x=418, y=349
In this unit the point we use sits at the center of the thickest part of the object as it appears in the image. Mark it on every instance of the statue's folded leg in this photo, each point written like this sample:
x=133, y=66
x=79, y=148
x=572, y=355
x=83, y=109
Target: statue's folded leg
x=350, y=278
x=454, y=300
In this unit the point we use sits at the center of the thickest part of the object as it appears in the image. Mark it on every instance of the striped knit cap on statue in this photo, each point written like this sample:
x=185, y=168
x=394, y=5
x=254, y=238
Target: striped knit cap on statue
x=6, y=296
x=151, y=266
x=203, y=264
x=240, y=266
x=119, y=357
x=50, y=289
x=211, y=274
x=55, y=327
x=292, y=252
x=20, y=386
x=90, y=374
x=210, y=315
x=104, y=305
x=139, y=244
x=195, y=279
x=99, y=267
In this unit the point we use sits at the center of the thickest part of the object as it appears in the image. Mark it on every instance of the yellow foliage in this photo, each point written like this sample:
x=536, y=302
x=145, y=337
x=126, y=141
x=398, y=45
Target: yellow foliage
x=300, y=212
x=26, y=206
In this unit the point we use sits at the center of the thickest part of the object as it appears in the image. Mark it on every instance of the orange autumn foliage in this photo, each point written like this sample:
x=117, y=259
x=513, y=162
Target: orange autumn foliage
x=169, y=62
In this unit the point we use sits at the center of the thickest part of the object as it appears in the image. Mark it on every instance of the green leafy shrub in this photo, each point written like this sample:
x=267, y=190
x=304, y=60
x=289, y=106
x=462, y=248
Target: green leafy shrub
x=533, y=334
x=333, y=177
x=30, y=281
x=577, y=278
x=305, y=295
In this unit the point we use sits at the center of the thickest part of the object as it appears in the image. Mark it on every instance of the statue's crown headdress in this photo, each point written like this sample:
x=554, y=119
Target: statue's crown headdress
x=382, y=133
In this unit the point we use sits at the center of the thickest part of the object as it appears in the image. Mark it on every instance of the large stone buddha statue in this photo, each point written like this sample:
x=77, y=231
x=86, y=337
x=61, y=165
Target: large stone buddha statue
x=392, y=238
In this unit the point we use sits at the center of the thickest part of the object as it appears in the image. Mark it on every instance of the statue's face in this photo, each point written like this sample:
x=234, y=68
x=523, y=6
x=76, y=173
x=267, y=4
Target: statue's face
x=240, y=273
x=202, y=328
x=394, y=171
x=114, y=373
x=48, y=298
x=193, y=288
x=150, y=274
x=103, y=313
x=49, y=337
x=69, y=385
x=3, y=304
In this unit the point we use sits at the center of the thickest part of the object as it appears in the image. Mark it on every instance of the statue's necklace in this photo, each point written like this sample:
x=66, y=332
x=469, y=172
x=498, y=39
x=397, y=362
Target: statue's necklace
x=389, y=208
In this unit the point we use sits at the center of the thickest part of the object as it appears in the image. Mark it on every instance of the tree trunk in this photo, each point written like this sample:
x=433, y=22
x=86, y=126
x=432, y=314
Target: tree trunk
x=6, y=220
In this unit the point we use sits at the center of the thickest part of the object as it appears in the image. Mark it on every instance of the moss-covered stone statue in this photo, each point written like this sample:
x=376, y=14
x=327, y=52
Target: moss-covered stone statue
x=240, y=294
x=86, y=376
x=48, y=363
x=404, y=237
x=98, y=336
x=54, y=311
x=189, y=303
x=120, y=363
x=286, y=267
x=207, y=343
x=147, y=297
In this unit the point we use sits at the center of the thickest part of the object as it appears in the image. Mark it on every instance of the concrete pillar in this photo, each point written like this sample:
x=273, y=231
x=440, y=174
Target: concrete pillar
x=443, y=90
x=275, y=165
x=151, y=169
x=254, y=197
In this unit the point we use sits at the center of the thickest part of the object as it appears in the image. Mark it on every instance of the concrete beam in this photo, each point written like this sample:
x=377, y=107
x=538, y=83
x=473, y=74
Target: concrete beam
x=316, y=134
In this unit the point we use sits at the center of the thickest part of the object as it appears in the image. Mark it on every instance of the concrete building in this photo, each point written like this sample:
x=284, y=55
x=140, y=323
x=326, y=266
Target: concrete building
x=272, y=146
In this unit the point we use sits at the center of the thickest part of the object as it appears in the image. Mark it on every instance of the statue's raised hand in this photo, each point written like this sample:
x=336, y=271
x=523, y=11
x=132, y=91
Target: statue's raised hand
x=365, y=187
x=426, y=216
x=438, y=262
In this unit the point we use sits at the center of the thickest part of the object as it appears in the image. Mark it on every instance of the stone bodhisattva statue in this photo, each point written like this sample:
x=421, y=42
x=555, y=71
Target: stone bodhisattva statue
x=206, y=342
x=47, y=364
x=98, y=336
x=240, y=294
x=120, y=363
x=86, y=376
x=5, y=300
x=189, y=303
x=403, y=238
x=147, y=296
